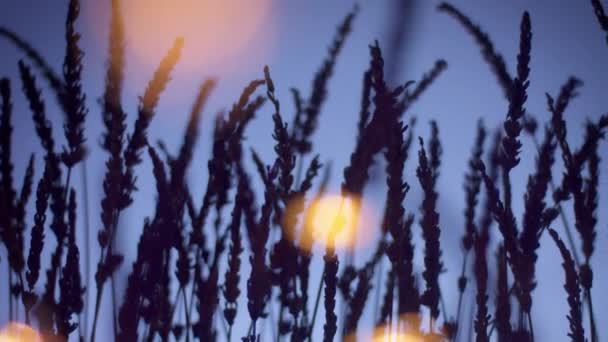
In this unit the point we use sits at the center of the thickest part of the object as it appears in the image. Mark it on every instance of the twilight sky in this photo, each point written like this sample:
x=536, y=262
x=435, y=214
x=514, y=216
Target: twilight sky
x=234, y=41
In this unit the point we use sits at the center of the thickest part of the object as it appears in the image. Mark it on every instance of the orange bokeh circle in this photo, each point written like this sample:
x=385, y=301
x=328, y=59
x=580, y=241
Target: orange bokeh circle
x=14, y=332
x=216, y=32
x=332, y=219
x=213, y=29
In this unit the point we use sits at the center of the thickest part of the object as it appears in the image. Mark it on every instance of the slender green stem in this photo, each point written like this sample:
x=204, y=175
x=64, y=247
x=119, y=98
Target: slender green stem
x=188, y=316
x=114, y=318
x=148, y=332
x=594, y=336
x=67, y=184
x=20, y=275
x=197, y=266
x=317, y=300
x=273, y=328
x=506, y=182
x=100, y=285
x=567, y=229
x=80, y=327
x=389, y=327
x=460, y=295
x=378, y=281
x=492, y=326
x=250, y=329
x=300, y=166
x=222, y=319
x=280, y=318
x=562, y=215
x=493, y=322
x=442, y=303
x=176, y=302
x=96, y=312
x=192, y=293
x=87, y=238
x=471, y=319
x=10, y=294
x=529, y=314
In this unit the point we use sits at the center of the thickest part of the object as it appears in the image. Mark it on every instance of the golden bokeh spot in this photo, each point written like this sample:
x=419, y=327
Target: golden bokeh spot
x=397, y=337
x=213, y=30
x=18, y=332
x=329, y=220
x=409, y=331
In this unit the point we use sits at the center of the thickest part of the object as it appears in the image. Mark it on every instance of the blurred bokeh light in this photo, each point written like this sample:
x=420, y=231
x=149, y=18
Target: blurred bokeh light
x=336, y=219
x=402, y=329
x=214, y=31
x=17, y=332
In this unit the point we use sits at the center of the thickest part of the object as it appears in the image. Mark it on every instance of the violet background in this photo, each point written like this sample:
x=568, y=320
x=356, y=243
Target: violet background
x=566, y=41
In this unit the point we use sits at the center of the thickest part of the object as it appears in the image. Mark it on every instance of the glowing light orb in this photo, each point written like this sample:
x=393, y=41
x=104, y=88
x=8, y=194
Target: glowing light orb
x=213, y=30
x=17, y=332
x=405, y=328
x=332, y=219
x=396, y=337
